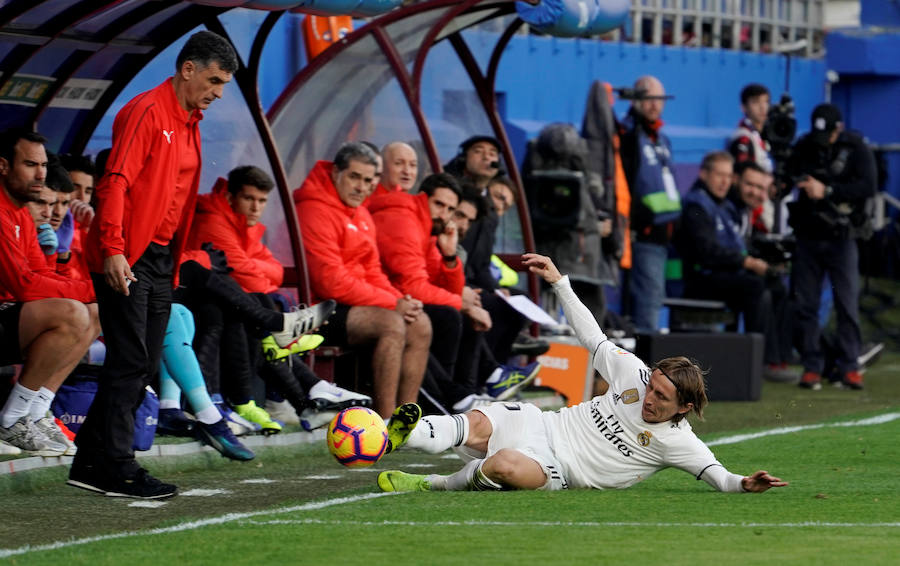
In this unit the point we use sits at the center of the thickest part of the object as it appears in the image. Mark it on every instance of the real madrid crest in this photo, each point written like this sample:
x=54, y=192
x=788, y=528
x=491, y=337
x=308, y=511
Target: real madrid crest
x=643, y=438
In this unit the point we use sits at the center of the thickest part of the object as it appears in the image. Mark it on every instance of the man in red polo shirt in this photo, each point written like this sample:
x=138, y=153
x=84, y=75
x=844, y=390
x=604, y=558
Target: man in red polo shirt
x=46, y=320
x=145, y=202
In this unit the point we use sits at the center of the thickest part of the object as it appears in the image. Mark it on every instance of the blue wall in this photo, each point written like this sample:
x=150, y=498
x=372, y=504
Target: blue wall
x=540, y=80
x=543, y=79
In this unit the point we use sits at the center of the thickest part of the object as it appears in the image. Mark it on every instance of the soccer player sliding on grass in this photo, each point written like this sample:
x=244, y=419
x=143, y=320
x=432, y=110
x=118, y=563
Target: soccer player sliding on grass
x=635, y=428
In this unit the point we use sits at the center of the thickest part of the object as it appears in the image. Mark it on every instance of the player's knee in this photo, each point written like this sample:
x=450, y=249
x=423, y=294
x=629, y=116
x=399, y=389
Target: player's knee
x=514, y=469
x=391, y=326
x=503, y=466
x=420, y=331
x=480, y=430
x=74, y=316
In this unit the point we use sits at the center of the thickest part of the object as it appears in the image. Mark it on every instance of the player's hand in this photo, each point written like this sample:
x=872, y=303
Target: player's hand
x=543, y=266
x=47, y=239
x=756, y=265
x=481, y=319
x=409, y=308
x=118, y=273
x=83, y=213
x=470, y=298
x=448, y=240
x=65, y=233
x=761, y=481
x=815, y=189
x=605, y=227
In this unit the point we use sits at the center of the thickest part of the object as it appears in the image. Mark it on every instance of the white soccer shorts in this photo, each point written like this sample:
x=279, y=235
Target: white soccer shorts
x=519, y=426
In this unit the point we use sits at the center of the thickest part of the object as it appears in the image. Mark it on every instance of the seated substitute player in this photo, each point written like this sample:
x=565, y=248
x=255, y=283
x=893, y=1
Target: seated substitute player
x=634, y=429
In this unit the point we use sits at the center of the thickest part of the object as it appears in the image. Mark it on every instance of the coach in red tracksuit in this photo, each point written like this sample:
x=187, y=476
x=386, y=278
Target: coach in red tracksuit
x=145, y=203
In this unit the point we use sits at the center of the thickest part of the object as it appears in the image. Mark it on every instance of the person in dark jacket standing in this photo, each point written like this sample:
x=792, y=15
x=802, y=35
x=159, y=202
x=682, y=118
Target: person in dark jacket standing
x=836, y=176
x=655, y=201
x=145, y=203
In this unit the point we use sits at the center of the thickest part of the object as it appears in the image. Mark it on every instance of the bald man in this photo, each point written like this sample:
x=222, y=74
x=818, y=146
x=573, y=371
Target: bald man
x=655, y=201
x=401, y=167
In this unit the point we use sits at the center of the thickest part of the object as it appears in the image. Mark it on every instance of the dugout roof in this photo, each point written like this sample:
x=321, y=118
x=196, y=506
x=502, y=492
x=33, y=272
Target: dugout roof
x=64, y=62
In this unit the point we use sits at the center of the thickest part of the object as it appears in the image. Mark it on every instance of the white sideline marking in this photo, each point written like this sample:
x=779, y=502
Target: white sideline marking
x=228, y=518
x=878, y=419
x=204, y=492
x=259, y=480
x=147, y=504
x=322, y=477
x=558, y=523
x=420, y=465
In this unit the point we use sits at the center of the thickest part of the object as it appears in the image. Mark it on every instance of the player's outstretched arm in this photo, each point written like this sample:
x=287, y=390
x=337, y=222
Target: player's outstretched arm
x=543, y=266
x=761, y=481
x=579, y=316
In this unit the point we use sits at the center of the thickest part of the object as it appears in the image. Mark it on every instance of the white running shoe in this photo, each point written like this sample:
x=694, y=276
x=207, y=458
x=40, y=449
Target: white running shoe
x=48, y=426
x=28, y=438
x=302, y=321
x=311, y=419
x=326, y=395
x=8, y=449
x=282, y=411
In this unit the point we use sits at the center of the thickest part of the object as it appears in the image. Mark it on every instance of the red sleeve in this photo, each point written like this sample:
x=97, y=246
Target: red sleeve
x=400, y=242
x=132, y=131
x=329, y=275
x=217, y=230
x=24, y=274
x=266, y=265
x=452, y=279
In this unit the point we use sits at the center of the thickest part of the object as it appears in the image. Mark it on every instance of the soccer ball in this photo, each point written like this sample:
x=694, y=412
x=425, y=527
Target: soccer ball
x=357, y=437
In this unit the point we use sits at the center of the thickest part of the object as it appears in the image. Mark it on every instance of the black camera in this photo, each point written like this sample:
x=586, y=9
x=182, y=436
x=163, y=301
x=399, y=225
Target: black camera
x=773, y=248
x=781, y=124
x=780, y=131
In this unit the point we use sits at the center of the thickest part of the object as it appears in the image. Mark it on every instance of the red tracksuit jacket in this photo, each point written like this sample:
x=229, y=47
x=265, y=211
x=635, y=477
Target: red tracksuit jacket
x=255, y=268
x=409, y=252
x=24, y=273
x=339, y=241
x=139, y=185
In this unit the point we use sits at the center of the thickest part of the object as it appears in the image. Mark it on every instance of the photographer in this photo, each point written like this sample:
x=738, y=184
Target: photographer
x=717, y=265
x=835, y=173
x=655, y=200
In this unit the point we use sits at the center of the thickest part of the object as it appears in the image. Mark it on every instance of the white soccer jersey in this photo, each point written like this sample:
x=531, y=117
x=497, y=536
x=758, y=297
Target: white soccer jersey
x=604, y=443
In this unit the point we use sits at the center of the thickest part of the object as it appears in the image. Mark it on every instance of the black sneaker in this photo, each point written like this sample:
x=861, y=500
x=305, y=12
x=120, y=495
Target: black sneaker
x=173, y=422
x=530, y=346
x=140, y=485
x=87, y=475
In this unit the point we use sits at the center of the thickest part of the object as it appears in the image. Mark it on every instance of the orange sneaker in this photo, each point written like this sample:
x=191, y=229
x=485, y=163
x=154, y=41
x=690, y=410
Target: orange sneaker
x=811, y=380
x=853, y=380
